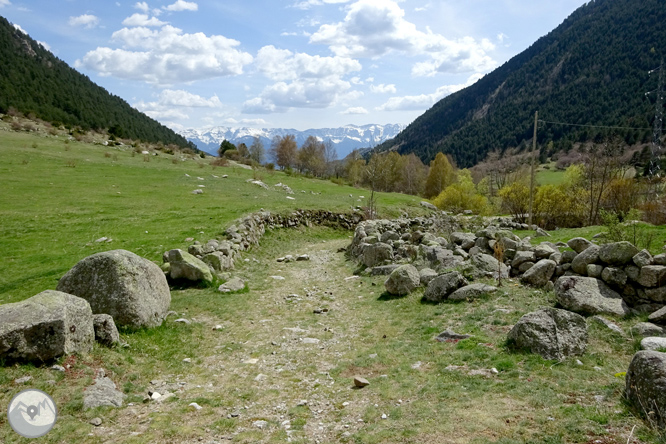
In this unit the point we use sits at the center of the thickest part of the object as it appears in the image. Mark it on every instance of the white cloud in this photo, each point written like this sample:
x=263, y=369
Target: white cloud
x=282, y=64
x=167, y=56
x=383, y=89
x=355, y=110
x=302, y=93
x=252, y=122
x=182, y=5
x=425, y=101
x=88, y=21
x=307, y=4
x=170, y=104
x=314, y=81
x=142, y=20
x=4, y=3
x=374, y=28
x=45, y=45
x=142, y=6
x=18, y=27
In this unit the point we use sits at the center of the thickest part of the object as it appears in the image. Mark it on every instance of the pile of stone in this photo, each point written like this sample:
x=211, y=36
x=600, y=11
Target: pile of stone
x=101, y=291
x=201, y=261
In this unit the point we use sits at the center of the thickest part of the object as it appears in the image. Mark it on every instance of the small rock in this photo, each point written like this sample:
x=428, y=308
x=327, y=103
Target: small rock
x=449, y=335
x=58, y=368
x=251, y=361
x=384, y=416
x=96, y=422
x=183, y=321
x=22, y=380
x=155, y=396
x=187, y=360
x=217, y=327
x=360, y=382
x=579, y=362
x=261, y=424
x=102, y=239
x=310, y=341
x=303, y=257
x=195, y=405
x=302, y=403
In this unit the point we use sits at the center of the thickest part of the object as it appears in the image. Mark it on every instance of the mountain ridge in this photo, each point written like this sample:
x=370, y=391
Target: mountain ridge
x=345, y=138
x=592, y=70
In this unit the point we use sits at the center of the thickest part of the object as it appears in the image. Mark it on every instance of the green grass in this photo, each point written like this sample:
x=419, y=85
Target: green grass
x=51, y=213
x=551, y=176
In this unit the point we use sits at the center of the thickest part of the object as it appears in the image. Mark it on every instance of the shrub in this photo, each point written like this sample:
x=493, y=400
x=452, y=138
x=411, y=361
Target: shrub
x=515, y=200
x=462, y=196
x=219, y=162
x=107, y=155
x=270, y=166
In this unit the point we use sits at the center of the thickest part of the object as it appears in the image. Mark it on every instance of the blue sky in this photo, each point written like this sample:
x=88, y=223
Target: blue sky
x=287, y=64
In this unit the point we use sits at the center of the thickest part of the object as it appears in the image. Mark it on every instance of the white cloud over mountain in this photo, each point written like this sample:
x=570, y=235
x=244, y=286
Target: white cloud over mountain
x=424, y=101
x=167, y=56
x=88, y=21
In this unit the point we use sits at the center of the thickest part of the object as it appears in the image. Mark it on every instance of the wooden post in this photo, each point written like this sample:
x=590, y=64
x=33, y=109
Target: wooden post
x=534, y=139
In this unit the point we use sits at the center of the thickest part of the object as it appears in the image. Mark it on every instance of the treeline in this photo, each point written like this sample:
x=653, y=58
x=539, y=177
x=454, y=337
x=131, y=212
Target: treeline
x=35, y=82
x=591, y=70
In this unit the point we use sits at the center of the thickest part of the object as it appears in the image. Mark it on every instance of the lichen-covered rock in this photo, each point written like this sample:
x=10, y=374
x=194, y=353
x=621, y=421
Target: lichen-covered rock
x=658, y=316
x=594, y=270
x=218, y=261
x=617, y=253
x=646, y=384
x=646, y=329
x=106, y=332
x=652, y=276
x=522, y=257
x=465, y=240
x=643, y=258
x=568, y=257
x=655, y=343
x=186, y=266
x=403, y=280
x=376, y=254
x=133, y=290
x=589, y=296
x=614, y=276
x=442, y=286
x=539, y=275
x=472, y=291
x=578, y=244
x=588, y=256
x=102, y=393
x=488, y=264
x=44, y=327
x=551, y=333
x=426, y=275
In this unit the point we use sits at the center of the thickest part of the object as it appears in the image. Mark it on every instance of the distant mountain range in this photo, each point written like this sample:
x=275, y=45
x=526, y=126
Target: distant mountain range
x=588, y=74
x=346, y=138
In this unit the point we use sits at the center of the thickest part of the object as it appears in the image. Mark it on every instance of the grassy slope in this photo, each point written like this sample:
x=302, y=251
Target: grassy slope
x=51, y=213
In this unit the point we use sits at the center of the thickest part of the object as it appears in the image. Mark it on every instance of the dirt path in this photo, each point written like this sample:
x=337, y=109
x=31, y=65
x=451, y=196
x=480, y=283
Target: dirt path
x=269, y=376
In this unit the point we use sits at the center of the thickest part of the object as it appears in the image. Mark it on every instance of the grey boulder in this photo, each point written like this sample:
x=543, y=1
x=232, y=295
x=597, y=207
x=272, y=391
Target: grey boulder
x=488, y=264
x=655, y=343
x=589, y=296
x=131, y=289
x=403, y=280
x=647, y=329
x=578, y=244
x=539, y=275
x=551, y=333
x=44, y=327
x=617, y=253
x=442, y=286
x=376, y=254
x=186, y=266
x=588, y=256
x=646, y=384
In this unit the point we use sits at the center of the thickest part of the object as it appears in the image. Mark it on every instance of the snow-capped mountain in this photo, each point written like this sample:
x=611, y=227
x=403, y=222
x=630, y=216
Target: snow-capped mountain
x=346, y=138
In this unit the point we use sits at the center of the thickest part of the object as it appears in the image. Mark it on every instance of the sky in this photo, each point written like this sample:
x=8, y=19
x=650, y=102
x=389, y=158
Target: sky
x=297, y=64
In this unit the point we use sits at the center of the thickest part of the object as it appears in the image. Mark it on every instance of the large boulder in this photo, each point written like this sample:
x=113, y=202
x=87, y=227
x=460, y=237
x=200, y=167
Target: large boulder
x=44, y=327
x=551, y=333
x=589, y=296
x=403, y=280
x=588, y=256
x=442, y=286
x=617, y=253
x=578, y=244
x=376, y=254
x=488, y=264
x=646, y=384
x=133, y=290
x=186, y=266
x=539, y=275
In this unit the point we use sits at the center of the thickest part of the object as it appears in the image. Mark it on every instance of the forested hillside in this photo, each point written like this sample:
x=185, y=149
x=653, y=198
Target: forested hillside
x=33, y=80
x=591, y=70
